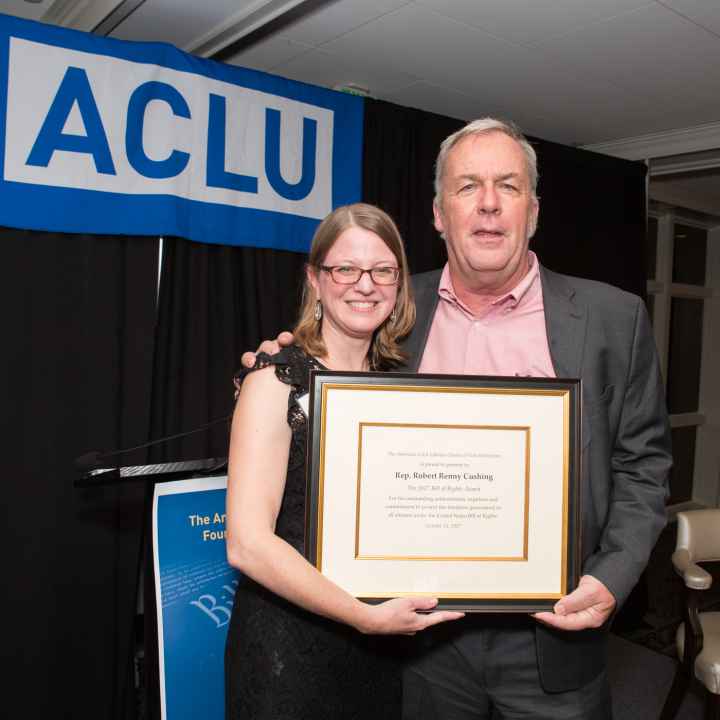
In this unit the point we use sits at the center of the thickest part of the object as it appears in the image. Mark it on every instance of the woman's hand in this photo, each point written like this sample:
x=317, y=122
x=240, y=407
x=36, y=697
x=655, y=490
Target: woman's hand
x=400, y=616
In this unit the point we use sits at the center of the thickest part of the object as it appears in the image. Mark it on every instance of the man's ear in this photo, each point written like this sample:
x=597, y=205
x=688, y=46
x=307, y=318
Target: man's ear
x=438, y=218
x=533, y=219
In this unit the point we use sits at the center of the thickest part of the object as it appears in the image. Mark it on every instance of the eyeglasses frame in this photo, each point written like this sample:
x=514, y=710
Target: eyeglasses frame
x=330, y=268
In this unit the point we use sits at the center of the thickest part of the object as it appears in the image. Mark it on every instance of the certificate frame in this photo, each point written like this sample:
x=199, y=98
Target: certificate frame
x=463, y=488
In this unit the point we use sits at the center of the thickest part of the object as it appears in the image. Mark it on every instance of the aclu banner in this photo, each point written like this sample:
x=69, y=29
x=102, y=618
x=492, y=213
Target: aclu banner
x=194, y=588
x=106, y=136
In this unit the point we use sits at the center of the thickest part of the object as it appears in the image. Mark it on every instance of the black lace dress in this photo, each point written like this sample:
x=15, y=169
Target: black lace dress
x=282, y=662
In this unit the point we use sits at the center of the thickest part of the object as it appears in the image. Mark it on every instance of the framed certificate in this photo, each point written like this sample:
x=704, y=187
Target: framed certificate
x=463, y=488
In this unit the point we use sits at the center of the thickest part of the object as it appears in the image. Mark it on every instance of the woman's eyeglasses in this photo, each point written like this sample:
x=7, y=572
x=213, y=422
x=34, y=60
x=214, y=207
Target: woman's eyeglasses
x=350, y=274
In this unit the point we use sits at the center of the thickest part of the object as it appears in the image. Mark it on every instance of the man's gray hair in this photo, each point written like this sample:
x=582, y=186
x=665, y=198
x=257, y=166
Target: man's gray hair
x=484, y=126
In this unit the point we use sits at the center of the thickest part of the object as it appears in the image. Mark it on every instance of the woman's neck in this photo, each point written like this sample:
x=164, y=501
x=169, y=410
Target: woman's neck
x=345, y=353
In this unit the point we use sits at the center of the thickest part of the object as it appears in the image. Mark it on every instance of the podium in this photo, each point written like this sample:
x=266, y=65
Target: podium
x=184, y=584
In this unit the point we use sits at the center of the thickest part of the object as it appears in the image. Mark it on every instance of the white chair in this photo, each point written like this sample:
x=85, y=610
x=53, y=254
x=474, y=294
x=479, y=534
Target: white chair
x=698, y=638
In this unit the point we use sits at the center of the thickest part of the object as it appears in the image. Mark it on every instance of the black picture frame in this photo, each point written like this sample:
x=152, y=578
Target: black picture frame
x=331, y=401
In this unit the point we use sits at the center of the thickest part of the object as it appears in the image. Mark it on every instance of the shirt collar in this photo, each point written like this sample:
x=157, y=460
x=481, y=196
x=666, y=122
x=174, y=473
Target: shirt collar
x=446, y=291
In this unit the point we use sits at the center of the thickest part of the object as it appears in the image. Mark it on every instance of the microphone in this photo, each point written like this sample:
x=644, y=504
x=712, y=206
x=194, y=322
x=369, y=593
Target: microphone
x=92, y=460
x=88, y=461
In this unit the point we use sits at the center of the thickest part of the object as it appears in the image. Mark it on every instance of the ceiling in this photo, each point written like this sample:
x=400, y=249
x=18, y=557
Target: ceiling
x=699, y=191
x=579, y=72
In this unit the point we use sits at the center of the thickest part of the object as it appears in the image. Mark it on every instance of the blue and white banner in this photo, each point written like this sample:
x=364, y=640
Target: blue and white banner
x=106, y=136
x=194, y=588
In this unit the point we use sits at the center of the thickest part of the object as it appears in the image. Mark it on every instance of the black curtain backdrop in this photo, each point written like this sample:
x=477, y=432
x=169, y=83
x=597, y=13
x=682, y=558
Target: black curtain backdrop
x=215, y=303
x=592, y=215
x=77, y=316
x=90, y=366
x=398, y=169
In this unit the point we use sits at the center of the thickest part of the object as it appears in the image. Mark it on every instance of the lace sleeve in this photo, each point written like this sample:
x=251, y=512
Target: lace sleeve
x=292, y=367
x=262, y=360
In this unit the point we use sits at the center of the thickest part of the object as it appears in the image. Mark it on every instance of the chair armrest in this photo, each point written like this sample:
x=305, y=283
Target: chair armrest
x=692, y=574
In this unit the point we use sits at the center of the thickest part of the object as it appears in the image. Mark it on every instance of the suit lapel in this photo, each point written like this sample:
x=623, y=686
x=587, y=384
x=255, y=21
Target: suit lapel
x=426, y=300
x=565, y=323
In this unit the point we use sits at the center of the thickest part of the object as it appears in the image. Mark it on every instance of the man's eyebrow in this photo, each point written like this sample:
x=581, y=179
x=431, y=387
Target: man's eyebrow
x=502, y=176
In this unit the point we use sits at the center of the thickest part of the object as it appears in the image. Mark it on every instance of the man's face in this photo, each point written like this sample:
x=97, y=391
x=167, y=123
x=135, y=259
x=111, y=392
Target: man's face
x=487, y=212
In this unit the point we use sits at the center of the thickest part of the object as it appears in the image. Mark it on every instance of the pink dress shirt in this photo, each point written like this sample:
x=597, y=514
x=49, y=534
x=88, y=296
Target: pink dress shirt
x=508, y=338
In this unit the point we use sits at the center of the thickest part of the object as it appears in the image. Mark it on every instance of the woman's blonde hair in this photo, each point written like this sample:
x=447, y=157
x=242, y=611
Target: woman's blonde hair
x=384, y=349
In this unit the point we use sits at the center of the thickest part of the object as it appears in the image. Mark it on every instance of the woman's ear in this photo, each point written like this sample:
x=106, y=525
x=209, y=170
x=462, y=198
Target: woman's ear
x=312, y=278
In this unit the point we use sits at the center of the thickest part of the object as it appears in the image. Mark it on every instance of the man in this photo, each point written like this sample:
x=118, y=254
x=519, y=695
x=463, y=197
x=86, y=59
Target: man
x=493, y=310
x=502, y=313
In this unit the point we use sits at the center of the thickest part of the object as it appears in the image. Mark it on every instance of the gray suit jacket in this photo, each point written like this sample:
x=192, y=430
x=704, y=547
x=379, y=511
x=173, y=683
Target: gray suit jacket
x=602, y=335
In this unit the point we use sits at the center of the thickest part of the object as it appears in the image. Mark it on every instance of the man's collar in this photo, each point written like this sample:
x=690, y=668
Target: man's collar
x=446, y=289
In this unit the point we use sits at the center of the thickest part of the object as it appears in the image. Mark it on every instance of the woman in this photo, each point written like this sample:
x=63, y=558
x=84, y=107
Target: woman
x=298, y=645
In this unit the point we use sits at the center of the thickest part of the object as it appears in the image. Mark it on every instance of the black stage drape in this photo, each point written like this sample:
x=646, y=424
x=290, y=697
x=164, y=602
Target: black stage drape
x=398, y=169
x=592, y=215
x=215, y=302
x=89, y=367
x=77, y=317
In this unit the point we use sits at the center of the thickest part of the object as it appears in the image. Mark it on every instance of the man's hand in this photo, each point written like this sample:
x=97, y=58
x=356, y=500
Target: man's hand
x=588, y=606
x=271, y=347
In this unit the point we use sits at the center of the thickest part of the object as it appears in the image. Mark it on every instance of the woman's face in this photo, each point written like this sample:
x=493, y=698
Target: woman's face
x=355, y=310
